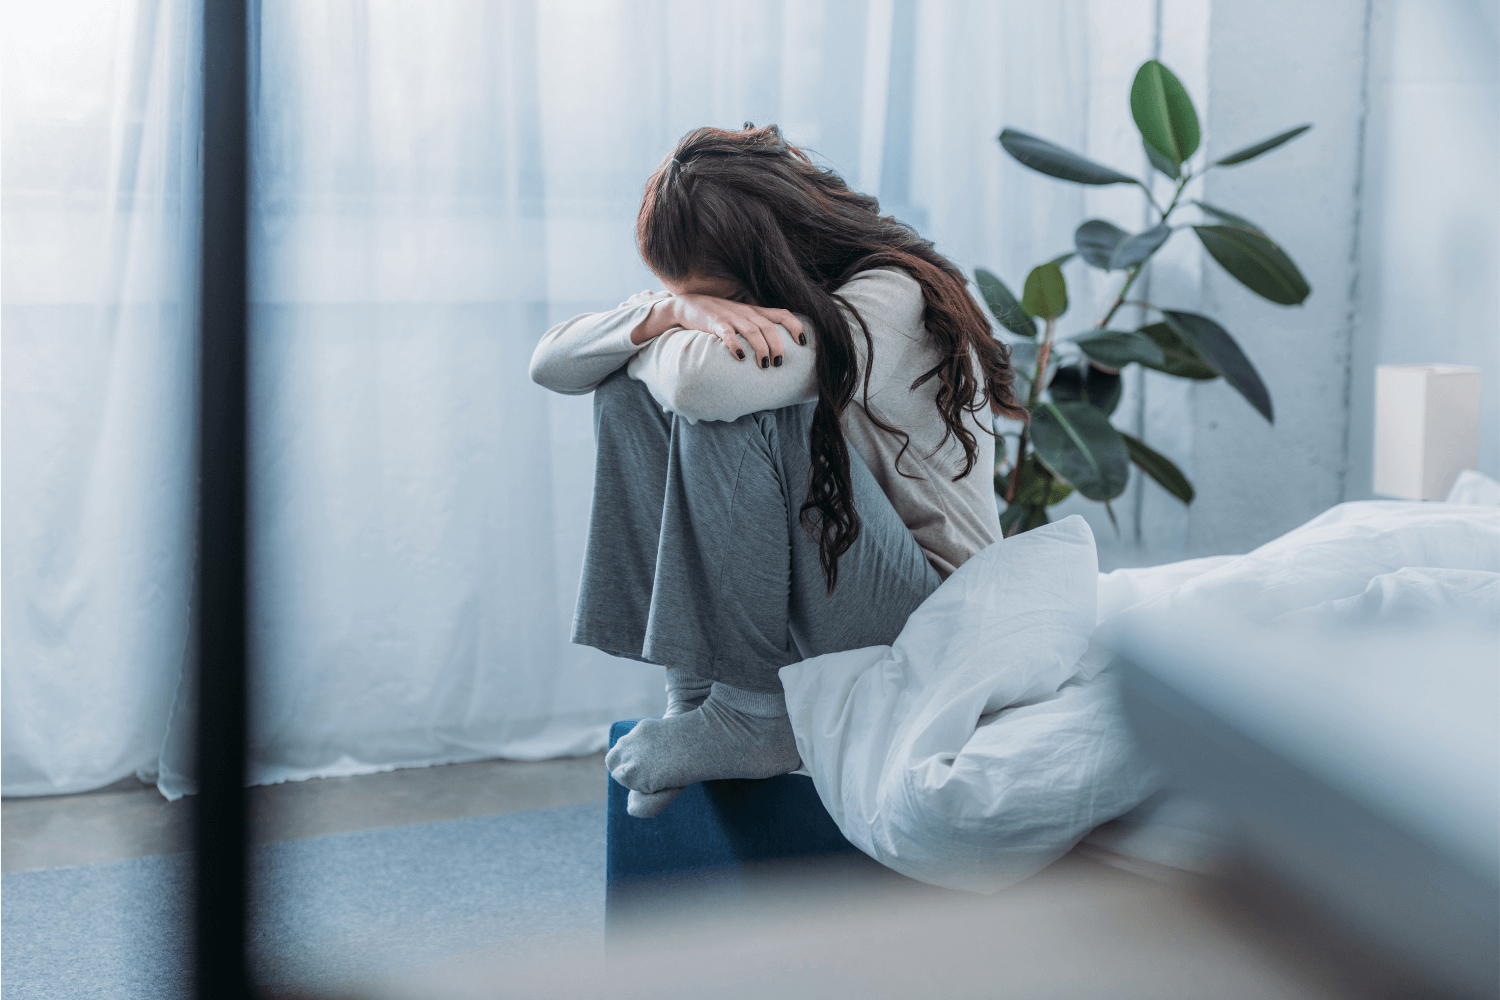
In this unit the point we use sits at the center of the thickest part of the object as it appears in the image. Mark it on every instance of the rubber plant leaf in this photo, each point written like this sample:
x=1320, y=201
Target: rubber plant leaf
x=1163, y=112
x=1159, y=468
x=1137, y=248
x=1181, y=360
x=1087, y=382
x=1003, y=305
x=1118, y=348
x=1076, y=442
x=1161, y=163
x=1096, y=241
x=1255, y=262
x=1046, y=291
x=1011, y=516
x=1228, y=218
x=1053, y=160
x=1101, y=388
x=1216, y=347
x=1264, y=146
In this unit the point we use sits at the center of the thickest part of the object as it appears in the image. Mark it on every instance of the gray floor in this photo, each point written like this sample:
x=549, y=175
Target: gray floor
x=132, y=820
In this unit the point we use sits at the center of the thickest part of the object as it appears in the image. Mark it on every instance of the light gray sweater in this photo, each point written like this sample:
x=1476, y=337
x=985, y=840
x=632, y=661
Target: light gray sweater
x=691, y=374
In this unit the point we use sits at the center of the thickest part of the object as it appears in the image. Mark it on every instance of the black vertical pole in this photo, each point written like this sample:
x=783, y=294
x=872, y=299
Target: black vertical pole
x=220, y=820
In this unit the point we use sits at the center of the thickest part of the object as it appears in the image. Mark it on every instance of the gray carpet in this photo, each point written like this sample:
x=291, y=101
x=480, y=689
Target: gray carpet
x=328, y=909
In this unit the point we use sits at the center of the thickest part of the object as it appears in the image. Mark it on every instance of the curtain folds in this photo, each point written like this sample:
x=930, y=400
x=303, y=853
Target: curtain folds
x=100, y=209
x=433, y=184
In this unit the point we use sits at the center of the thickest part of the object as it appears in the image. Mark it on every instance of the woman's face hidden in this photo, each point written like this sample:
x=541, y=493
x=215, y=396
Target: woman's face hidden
x=698, y=284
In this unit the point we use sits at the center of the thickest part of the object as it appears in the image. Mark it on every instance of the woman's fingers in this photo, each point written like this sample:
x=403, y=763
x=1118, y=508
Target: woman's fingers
x=746, y=331
x=789, y=322
x=775, y=349
x=756, y=338
x=730, y=338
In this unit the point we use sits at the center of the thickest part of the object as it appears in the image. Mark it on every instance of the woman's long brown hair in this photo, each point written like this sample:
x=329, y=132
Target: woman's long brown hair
x=749, y=206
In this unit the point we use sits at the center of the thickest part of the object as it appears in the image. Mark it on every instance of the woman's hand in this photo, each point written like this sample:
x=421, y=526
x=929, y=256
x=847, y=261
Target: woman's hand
x=730, y=321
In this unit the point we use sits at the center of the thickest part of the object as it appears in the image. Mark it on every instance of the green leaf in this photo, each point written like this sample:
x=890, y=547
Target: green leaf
x=1214, y=344
x=1035, y=518
x=1048, y=158
x=1063, y=258
x=1096, y=241
x=1007, y=311
x=1101, y=388
x=1228, y=217
x=1046, y=292
x=1118, y=348
x=1011, y=517
x=1181, y=360
x=1164, y=112
x=1037, y=486
x=1161, y=163
x=1255, y=262
x=1077, y=442
x=1264, y=146
x=1138, y=247
x=1089, y=383
x=1159, y=468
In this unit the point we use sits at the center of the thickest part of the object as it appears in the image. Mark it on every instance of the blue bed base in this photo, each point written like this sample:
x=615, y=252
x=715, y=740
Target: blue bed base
x=714, y=839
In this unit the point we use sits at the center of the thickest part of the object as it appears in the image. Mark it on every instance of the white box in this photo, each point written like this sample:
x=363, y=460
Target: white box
x=1426, y=428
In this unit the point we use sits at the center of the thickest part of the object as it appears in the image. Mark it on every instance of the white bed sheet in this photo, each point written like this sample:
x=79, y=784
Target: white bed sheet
x=987, y=741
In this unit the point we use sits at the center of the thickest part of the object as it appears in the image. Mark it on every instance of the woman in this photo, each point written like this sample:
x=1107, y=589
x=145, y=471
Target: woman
x=786, y=437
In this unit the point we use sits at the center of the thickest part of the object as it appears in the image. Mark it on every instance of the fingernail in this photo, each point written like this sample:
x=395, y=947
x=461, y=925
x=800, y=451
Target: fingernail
x=802, y=339
x=778, y=361
x=765, y=362
x=739, y=354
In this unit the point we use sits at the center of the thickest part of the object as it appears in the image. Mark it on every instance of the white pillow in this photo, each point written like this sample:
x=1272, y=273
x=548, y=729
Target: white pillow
x=957, y=756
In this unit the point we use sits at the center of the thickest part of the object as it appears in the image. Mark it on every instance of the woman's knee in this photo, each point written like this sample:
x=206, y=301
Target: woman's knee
x=620, y=395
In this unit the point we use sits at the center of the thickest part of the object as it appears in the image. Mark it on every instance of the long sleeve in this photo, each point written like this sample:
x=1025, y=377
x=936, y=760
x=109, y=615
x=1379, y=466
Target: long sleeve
x=691, y=373
x=575, y=356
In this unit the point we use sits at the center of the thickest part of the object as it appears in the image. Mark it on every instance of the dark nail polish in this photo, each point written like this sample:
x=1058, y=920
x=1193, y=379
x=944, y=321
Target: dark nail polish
x=765, y=362
x=802, y=339
x=778, y=361
x=740, y=354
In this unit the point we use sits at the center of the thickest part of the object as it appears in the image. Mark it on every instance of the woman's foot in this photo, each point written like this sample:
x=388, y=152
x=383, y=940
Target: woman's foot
x=733, y=734
x=685, y=692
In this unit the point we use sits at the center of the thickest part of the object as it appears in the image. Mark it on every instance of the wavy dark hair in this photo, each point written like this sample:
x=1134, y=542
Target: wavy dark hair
x=749, y=206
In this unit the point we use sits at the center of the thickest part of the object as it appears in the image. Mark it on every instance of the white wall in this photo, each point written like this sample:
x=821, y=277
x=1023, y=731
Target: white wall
x=1388, y=205
x=1429, y=283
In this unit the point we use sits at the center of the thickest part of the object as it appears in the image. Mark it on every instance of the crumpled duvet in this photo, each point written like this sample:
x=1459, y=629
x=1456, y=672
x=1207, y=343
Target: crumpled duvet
x=988, y=739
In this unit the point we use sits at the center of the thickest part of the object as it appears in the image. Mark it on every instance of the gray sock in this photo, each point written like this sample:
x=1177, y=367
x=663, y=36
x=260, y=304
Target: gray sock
x=685, y=692
x=734, y=734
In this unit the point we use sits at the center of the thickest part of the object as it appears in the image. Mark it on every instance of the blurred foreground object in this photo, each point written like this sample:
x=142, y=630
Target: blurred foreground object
x=1426, y=428
x=1357, y=749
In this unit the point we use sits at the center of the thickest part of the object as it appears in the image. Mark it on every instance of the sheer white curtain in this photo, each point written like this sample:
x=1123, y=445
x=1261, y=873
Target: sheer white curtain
x=435, y=183
x=99, y=214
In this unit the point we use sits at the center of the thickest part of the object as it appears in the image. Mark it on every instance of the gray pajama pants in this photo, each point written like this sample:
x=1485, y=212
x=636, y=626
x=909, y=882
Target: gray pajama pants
x=696, y=557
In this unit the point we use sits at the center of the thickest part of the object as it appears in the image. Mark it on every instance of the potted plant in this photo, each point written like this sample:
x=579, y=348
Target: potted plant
x=1072, y=385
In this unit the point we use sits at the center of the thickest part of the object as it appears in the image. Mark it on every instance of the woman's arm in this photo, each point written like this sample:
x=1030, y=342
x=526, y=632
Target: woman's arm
x=691, y=374
x=575, y=356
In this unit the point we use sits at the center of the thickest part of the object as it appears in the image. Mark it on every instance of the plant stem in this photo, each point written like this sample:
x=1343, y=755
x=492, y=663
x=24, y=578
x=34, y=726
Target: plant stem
x=1042, y=355
x=1136, y=271
x=1176, y=196
x=1120, y=299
